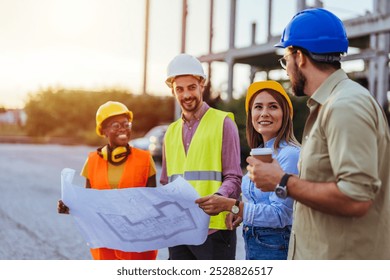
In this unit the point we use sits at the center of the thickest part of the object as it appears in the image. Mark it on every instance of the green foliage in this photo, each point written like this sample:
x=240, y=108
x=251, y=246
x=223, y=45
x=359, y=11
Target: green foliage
x=301, y=111
x=71, y=113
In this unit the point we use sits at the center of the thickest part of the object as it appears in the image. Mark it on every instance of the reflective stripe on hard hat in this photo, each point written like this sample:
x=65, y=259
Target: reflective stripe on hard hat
x=198, y=176
x=184, y=64
x=109, y=109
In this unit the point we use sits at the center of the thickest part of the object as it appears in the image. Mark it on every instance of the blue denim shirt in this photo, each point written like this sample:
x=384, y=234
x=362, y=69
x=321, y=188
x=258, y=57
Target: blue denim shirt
x=265, y=209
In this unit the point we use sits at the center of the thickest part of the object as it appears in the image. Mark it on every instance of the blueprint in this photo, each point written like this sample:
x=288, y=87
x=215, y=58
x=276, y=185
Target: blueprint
x=136, y=219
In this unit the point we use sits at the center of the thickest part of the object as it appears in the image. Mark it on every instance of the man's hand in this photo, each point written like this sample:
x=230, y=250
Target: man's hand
x=215, y=204
x=233, y=221
x=265, y=175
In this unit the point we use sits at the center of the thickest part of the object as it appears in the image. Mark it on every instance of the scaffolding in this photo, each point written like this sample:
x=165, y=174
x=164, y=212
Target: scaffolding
x=368, y=34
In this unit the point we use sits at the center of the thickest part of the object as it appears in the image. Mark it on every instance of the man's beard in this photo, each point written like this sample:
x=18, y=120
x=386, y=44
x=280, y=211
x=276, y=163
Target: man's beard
x=298, y=82
x=192, y=107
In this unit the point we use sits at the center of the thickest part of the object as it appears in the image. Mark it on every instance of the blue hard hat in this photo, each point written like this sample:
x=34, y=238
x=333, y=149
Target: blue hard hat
x=316, y=30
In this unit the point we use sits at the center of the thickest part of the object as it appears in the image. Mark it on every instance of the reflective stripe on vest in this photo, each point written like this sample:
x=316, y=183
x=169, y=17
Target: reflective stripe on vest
x=202, y=165
x=198, y=176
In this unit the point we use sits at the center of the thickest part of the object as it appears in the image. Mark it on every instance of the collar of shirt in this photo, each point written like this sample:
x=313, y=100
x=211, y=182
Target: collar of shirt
x=197, y=115
x=325, y=90
x=270, y=143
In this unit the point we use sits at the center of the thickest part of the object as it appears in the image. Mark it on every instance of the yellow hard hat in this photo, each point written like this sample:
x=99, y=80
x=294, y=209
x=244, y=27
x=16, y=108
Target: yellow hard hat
x=109, y=109
x=257, y=86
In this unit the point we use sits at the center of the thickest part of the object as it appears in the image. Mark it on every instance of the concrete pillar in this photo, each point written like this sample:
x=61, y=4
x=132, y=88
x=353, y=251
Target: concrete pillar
x=378, y=67
x=269, y=35
x=383, y=47
x=183, y=47
x=301, y=5
x=232, y=35
x=230, y=63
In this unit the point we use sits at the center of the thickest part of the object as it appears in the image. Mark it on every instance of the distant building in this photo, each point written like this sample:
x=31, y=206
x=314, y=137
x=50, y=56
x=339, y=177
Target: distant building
x=13, y=116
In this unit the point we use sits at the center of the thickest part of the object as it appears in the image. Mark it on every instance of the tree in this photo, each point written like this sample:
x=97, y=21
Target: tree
x=71, y=113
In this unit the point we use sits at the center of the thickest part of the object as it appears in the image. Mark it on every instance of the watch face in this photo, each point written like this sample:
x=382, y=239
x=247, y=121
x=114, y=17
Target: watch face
x=281, y=192
x=235, y=209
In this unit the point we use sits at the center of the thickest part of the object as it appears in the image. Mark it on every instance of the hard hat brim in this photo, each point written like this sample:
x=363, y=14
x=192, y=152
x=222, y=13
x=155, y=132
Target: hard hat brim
x=110, y=109
x=169, y=81
x=258, y=86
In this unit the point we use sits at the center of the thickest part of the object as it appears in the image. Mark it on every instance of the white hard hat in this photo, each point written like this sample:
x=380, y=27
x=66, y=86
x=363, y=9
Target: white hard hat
x=184, y=64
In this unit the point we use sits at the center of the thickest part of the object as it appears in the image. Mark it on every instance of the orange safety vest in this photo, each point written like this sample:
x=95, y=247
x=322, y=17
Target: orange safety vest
x=135, y=175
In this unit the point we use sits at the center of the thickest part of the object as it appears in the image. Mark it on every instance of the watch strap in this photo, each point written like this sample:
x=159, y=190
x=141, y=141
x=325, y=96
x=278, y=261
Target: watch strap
x=283, y=181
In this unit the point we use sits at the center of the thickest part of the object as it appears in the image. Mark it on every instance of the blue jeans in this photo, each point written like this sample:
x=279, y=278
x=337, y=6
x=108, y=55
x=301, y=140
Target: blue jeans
x=266, y=243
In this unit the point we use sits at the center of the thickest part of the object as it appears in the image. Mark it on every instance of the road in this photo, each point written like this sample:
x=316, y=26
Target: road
x=30, y=227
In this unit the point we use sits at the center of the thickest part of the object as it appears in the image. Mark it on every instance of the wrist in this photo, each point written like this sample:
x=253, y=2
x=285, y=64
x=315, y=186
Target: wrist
x=234, y=206
x=281, y=189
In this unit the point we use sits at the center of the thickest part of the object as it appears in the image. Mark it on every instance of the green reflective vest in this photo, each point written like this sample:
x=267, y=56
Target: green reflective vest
x=202, y=166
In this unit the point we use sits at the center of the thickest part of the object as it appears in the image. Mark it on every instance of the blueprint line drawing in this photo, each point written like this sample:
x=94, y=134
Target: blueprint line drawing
x=136, y=219
x=134, y=232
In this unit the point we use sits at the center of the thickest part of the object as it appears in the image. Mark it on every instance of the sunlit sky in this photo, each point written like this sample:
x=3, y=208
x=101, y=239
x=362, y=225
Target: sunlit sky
x=96, y=44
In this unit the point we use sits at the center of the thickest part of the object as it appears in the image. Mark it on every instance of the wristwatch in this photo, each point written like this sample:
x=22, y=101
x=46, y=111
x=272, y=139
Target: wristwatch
x=236, y=208
x=281, y=188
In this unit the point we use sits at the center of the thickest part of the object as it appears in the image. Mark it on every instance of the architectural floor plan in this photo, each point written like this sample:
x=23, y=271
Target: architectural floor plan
x=136, y=219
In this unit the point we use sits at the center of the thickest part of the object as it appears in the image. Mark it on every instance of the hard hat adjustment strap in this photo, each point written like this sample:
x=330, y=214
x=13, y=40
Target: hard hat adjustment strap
x=325, y=58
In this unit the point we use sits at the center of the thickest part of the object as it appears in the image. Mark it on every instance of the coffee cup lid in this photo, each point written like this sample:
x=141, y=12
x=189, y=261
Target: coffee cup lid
x=261, y=151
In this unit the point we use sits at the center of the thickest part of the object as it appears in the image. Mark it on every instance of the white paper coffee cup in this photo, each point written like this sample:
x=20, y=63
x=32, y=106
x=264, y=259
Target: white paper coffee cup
x=264, y=154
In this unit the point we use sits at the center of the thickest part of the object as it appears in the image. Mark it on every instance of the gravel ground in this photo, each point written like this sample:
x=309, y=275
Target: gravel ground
x=30, y=228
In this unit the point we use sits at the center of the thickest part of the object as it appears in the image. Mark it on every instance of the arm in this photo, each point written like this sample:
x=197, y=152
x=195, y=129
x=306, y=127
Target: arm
x=163, y=176
x=270, y=212
x=263, y=209
x=215, y=204
x=327, y=198
x=151, y=183
x=324, y=197
x=231, y=169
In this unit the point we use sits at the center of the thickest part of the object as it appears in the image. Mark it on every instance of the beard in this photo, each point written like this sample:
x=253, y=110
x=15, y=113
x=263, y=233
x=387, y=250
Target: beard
x=298, y=82
x=191, y=107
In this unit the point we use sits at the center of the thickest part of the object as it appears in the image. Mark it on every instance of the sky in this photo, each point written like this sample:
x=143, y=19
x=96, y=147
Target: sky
x=98, y=44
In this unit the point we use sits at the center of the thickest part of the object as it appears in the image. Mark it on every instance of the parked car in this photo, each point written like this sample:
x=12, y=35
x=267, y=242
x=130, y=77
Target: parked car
x=152, y=141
